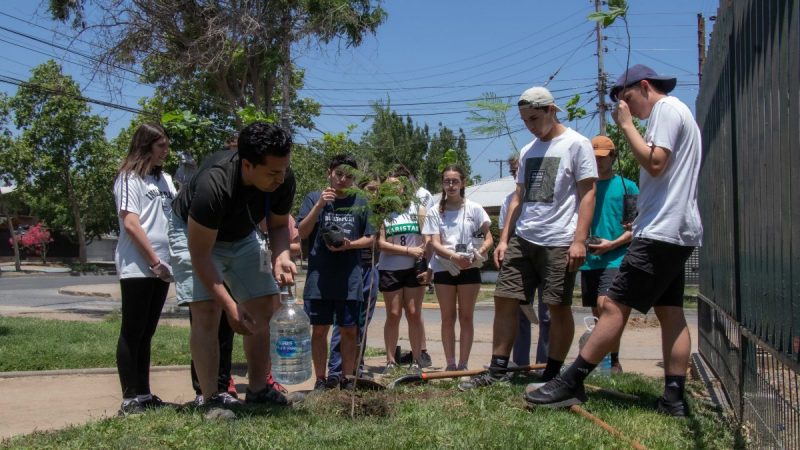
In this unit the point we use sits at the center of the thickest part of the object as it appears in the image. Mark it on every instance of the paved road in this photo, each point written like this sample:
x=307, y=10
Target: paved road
x=41, y=291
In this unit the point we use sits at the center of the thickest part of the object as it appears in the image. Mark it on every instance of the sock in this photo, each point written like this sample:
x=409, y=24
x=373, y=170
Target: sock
x=498, y=365
x=578, y=371
x=614, y=358
x=552, y=369
x=673, y=387
x=144, y=398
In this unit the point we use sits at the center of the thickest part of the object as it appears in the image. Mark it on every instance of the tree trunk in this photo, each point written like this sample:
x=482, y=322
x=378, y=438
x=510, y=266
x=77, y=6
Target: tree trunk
x=15, y=244
x=76, y=215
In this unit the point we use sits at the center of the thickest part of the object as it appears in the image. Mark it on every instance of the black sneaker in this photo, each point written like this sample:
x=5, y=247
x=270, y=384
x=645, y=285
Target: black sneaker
x=130, y=408
x=405, y=358
x=483, y=380
x=332, y=382
x=153, y=403
x=267, y=395
x=556, y=393
x=347, y=384
x=221, y=400
x=425, y=359
x=675, y=409
x=321, y=384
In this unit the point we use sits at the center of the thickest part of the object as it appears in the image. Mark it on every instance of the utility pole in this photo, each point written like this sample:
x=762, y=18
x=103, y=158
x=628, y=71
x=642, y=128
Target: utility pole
x=701, y=46
x=601, y=76
x=501, y=162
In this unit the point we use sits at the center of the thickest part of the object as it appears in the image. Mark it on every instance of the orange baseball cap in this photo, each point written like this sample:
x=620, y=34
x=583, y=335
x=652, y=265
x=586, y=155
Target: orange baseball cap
x=602, y=145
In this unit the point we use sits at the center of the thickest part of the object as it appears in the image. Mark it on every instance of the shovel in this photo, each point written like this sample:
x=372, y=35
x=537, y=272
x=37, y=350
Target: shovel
x=425, y=376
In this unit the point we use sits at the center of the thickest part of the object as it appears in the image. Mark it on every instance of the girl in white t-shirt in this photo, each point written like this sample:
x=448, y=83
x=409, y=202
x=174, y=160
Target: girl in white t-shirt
x=143, y=194
x=403, y=276
x=459, y=231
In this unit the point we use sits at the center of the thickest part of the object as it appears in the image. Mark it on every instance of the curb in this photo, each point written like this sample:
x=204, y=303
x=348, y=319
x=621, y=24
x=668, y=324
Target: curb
x=86, y=371
x=65, y=291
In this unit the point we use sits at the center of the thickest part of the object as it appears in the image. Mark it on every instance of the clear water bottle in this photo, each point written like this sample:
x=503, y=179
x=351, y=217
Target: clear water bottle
x=604, y=367
x=290, y=341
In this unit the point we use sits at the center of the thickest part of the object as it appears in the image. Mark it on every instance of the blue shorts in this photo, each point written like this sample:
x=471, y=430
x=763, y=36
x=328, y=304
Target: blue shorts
x=237, y=261
x=344, y=313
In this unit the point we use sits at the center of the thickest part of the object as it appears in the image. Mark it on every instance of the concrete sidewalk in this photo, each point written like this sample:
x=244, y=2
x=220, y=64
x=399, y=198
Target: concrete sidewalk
x=33, y=401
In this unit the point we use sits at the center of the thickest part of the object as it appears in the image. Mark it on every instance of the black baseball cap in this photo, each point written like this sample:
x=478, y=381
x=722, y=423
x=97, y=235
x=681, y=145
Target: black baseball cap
x=638, y=73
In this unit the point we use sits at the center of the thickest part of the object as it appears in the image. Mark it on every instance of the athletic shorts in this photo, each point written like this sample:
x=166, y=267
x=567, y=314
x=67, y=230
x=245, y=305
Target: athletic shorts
x=394, y=280
x=651, y=274
x=528, y=266
x=595, y=283
x=237, y=261
x=468, y=276
x=344, y=313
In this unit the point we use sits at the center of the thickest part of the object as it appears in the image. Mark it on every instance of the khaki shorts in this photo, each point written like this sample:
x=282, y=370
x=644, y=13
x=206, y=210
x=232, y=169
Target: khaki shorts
x=528, y=266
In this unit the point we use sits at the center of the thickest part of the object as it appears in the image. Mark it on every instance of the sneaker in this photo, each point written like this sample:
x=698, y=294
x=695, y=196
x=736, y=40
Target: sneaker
x=451, y=368
x=130, y=408
x=231, y=389
x=556, y=393
x=391, y=366
x=675, y=409
x=616, y=369
x=425, y=359
x=275, y=385
x=414, y=369
x=482, y=380
x=461, y=367
x=220, y=400
x=153, y=403
x=347, y=384
x=198, y=401
x=405, y=358
x=321, y=384
x=266, y=395
x=333, y=382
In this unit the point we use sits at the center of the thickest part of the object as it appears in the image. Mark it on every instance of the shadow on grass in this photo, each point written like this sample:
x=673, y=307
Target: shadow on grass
x=5, y=331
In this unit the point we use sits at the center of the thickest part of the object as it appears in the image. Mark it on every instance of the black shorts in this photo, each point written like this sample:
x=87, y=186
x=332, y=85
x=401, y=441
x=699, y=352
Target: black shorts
x=394, y=280
x=468, y=276
x=595, y=283
x=651, y=274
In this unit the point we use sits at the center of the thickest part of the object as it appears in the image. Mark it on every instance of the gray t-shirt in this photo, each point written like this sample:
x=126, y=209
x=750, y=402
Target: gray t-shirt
x=151, y=199
x=668, y=203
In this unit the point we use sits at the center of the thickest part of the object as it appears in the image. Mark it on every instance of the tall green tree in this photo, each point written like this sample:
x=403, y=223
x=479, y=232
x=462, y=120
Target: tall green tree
x=236, y=50
x=61, y=161
x=443, y=140
x=393, y=140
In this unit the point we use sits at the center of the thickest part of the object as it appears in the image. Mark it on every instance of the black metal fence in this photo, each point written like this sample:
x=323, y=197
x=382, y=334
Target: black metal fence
x=749, y=113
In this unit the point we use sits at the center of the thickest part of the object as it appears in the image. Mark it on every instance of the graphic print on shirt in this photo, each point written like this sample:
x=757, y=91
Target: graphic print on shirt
x=405, y=227
x=540, y=179
x=346, y=221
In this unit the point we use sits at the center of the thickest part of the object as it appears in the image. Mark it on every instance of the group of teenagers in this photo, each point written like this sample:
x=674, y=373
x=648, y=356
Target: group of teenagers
x=226, y=240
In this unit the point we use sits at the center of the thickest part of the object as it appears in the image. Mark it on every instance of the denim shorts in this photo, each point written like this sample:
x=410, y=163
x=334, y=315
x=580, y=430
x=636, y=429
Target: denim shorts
x=237, y=261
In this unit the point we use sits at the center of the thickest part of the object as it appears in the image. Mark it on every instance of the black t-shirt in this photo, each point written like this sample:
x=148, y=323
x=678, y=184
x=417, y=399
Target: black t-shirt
x=216, y=198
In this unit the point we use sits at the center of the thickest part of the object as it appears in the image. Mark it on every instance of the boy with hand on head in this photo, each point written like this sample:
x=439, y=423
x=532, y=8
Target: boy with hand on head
x=336, y=223
x=665, y=232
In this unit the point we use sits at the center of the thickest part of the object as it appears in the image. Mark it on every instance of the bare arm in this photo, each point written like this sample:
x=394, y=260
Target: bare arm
x=577, y=250
x=512, y=214
x=139, y=237
x=306, y=225
x=283, y=268
x=201, y=243
x=652, y=159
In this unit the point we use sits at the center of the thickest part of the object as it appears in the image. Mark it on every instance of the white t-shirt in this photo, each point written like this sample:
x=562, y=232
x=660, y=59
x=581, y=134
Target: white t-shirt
x=501, y=219
x=401, y=229
x=549, y=173
x=151, y=199
x=668, y=203
x=460, y=226
x=424, y=196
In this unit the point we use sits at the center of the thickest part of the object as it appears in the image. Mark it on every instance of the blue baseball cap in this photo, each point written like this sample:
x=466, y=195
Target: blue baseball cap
x=638, y=73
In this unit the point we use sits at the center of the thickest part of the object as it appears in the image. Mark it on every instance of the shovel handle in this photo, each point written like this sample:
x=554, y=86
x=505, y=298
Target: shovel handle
x=467, y=373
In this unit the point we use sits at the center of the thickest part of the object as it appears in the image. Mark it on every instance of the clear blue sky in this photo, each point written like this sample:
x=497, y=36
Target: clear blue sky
x=428, y=59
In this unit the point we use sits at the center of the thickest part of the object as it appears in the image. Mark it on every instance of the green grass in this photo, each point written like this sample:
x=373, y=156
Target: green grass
x=37, y=344
x=432, y=416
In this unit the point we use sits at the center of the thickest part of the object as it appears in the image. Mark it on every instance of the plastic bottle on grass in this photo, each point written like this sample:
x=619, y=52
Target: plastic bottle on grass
x=290, y=341
x=604, y=367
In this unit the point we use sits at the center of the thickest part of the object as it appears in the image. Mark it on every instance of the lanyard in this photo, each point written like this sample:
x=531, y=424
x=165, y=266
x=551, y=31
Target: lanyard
x=264, y=236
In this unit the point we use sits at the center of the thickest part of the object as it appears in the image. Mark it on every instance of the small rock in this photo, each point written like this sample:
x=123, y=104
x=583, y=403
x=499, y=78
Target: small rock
x=220, y=414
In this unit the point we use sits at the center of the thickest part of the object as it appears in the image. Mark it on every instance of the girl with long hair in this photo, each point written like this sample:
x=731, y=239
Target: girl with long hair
x=459, y=232
x=143, y=195
x=402, y=283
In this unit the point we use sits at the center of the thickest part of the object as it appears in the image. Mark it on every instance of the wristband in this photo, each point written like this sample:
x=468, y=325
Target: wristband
x=156, y=264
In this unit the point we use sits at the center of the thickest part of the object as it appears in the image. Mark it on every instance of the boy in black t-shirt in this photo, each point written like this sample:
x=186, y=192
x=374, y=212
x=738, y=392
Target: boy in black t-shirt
x=214, y=238
x=333, y=289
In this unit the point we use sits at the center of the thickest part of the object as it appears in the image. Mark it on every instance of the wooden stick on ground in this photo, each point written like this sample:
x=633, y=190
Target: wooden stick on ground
x=582, y=412
x=611, y=393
